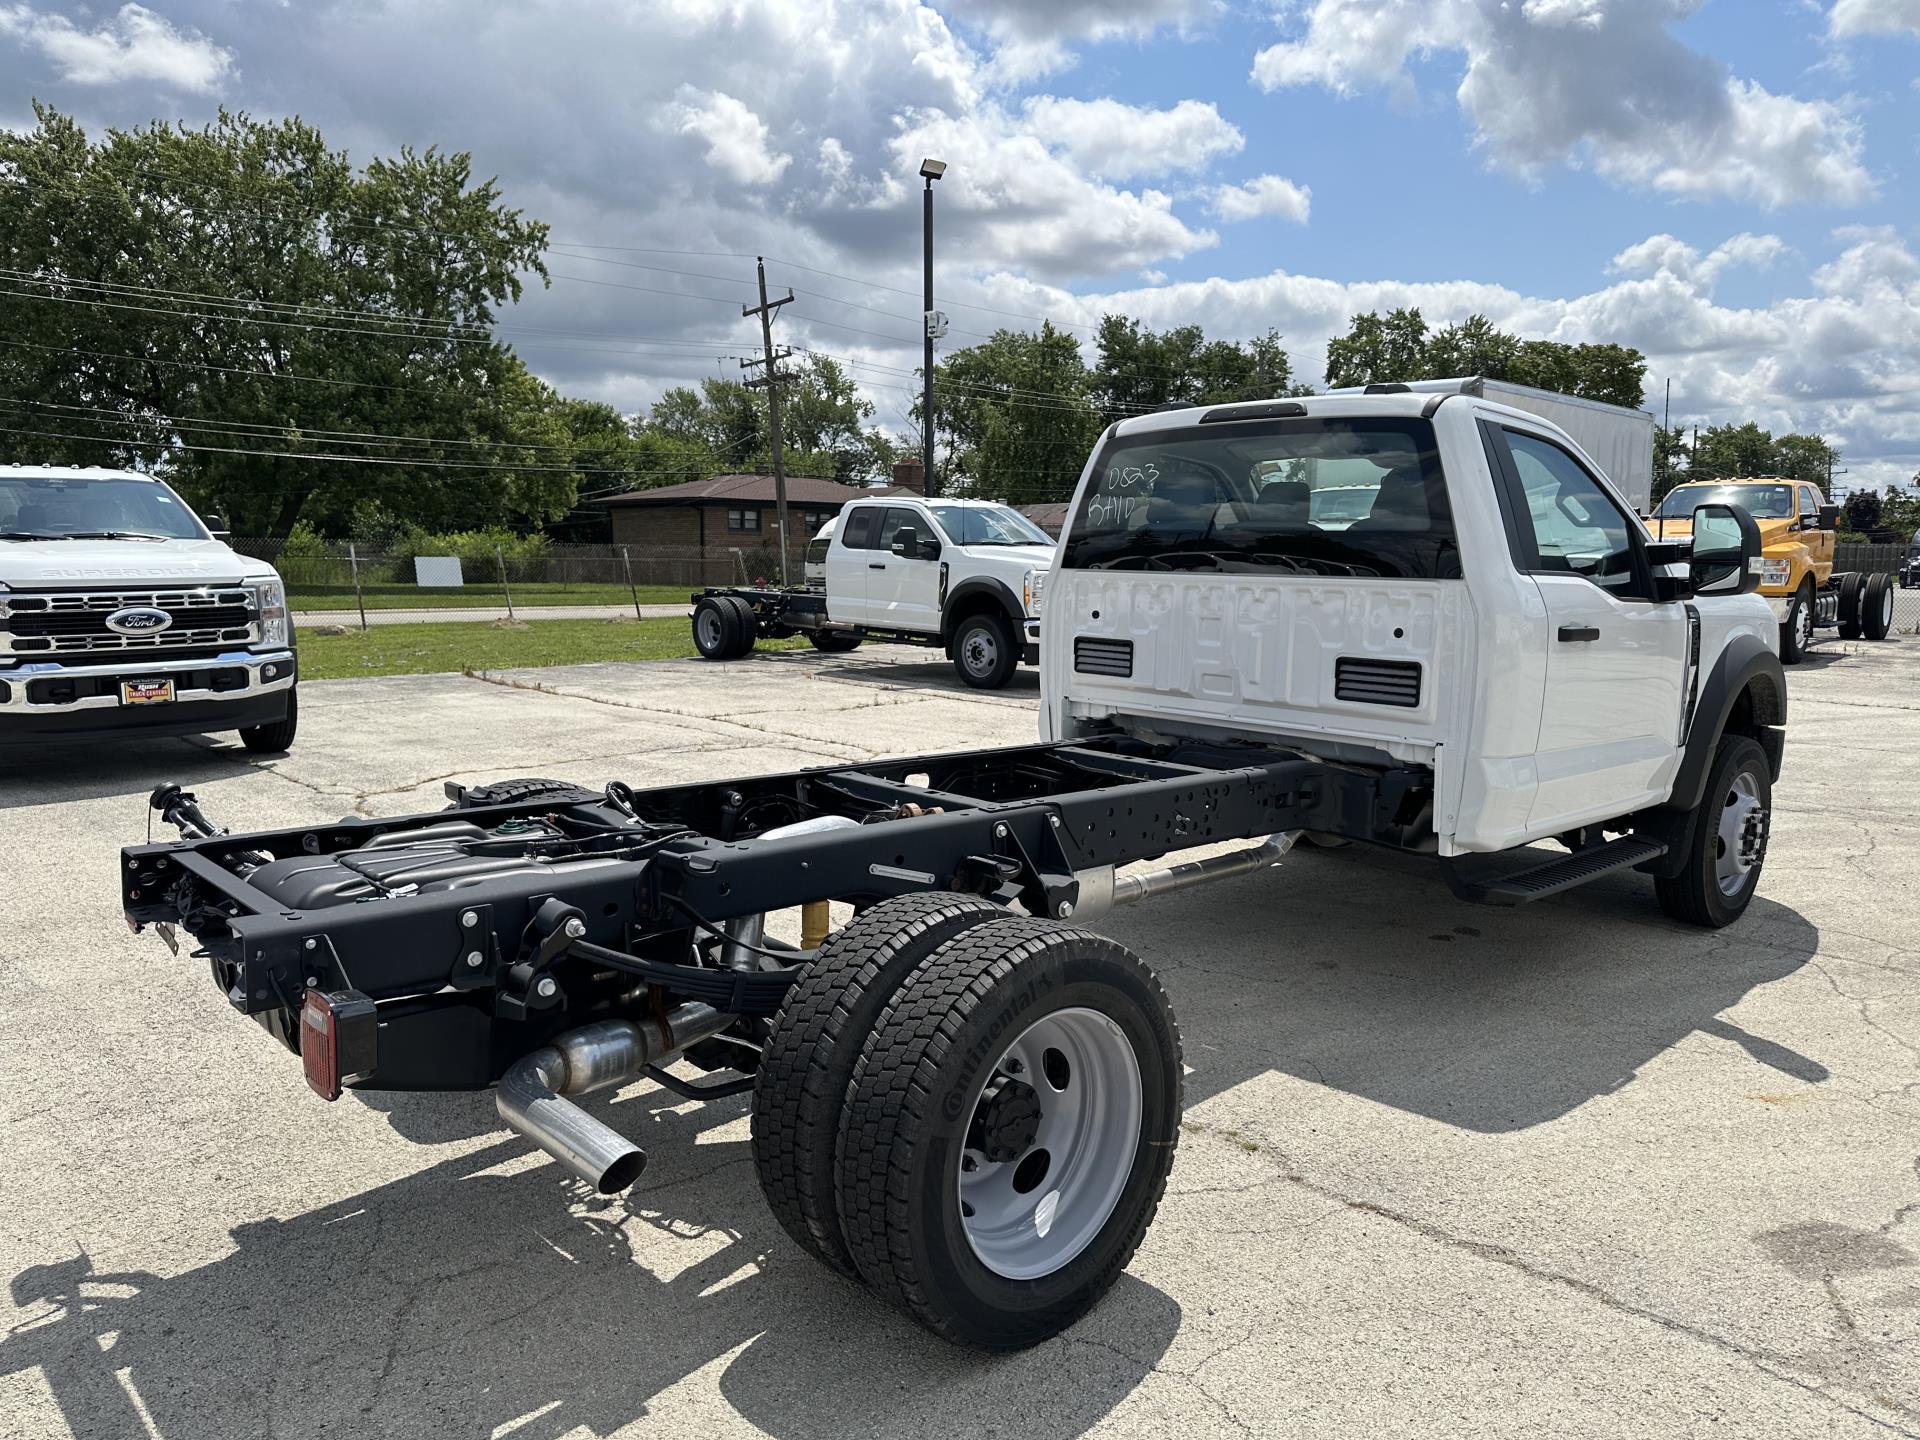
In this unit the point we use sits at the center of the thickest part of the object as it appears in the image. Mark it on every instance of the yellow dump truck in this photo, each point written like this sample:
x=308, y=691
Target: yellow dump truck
x=1797, y=531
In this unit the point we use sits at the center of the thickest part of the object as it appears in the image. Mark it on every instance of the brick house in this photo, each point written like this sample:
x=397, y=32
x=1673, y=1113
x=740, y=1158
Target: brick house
x=713, y=518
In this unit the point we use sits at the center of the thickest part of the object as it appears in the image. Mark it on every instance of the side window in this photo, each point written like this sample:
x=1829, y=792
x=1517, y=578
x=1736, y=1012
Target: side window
x=896, y=517
x=857, y=533
x=1809, y=505
x=1568, y=522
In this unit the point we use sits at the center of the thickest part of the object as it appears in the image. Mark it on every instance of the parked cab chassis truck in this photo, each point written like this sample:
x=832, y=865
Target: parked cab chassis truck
x=964, y=1098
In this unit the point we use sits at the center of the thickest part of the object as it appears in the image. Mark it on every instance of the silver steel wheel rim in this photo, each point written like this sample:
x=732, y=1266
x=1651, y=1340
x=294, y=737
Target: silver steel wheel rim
x=981, y=652
x=1804, y=625
x=706, y=628
x=1741, y=838
x=1088, y=1131
x=1886, y=608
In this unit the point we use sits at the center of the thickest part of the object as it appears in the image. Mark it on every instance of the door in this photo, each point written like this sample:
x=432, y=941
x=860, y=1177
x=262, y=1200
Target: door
x=847, y=559
x=1819, y=542
x=1616, y=659
x=905, y=593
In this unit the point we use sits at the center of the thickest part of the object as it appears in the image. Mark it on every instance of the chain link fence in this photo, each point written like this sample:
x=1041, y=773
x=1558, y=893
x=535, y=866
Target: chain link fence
x=345, y=582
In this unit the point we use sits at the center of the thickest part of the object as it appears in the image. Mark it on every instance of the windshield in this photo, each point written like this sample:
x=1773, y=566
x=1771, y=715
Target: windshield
x=1333, y=496
x=1763, y=502
x=988, y=525
x=58, y=507
x=817, y=552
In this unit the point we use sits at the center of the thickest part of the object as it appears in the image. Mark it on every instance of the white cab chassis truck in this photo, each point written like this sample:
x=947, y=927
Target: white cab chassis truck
x=963, y=575
x=966, y=1099
x=121, y=613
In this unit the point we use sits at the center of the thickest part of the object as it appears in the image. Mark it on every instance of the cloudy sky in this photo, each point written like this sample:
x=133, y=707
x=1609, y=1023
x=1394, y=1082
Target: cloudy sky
x=1727, y=184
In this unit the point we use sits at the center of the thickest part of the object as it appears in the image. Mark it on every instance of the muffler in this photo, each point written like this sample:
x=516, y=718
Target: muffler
x=531, y=1094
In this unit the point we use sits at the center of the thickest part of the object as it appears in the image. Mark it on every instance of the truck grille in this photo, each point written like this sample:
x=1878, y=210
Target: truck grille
x=205, y=618
x=1102, y=657
x=1377, y=682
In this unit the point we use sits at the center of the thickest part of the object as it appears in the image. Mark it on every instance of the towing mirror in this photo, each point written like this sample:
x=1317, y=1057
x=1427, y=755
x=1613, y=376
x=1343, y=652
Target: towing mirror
x=217, y=527
x=1726, y=551
x=909, y=546
x=1829, y=517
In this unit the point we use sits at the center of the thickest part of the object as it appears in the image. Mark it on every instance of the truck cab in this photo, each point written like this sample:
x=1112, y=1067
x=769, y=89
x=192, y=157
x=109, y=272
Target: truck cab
x=122, y=612
x=1498, y=621
x=963, y=572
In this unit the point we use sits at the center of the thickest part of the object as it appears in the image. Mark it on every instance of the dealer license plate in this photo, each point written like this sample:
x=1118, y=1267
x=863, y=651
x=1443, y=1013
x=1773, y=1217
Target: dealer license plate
x=146, y=692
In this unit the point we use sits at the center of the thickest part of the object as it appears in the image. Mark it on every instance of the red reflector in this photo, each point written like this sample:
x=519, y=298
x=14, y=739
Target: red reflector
x=339, y=1032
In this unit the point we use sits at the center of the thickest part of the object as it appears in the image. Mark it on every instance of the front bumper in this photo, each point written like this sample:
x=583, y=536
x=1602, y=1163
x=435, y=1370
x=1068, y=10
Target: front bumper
x=229, y=691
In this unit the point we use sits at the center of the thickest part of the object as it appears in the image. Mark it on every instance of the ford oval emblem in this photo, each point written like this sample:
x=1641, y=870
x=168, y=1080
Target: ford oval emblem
x=138, y=620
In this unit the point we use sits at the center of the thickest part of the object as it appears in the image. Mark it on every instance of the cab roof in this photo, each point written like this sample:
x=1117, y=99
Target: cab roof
x=70, y=472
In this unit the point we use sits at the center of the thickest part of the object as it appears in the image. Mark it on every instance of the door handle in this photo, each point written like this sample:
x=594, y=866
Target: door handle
x=871, y=566
x=1579, y=632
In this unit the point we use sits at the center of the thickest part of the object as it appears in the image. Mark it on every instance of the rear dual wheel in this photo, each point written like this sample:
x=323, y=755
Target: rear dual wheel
x=724, y=627
x=1002, y=1138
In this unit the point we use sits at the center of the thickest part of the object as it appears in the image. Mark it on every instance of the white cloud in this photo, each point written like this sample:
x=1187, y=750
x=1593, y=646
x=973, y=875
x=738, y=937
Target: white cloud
x=134, y=45
x=1664, y=253
x=736, y=138
x=1032, y=38
x=1263, y=195
x=1873, y=17
x=1119, y=142
x=1599, y=83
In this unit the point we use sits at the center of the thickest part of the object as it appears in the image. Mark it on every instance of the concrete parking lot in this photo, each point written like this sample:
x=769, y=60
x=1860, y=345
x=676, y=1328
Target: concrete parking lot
x=1570, y=1170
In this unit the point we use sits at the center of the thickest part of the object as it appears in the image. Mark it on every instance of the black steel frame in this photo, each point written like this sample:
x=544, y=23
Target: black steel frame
x=1014, y=824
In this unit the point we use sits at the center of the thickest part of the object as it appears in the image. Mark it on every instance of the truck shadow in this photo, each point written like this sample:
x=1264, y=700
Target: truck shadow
x=485, y=1293
x=1369, y=977
x=99, y=769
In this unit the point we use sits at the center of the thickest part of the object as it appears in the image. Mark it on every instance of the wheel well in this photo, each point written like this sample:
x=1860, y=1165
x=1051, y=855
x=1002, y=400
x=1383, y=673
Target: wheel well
x=964, y=607
x=1758, y=712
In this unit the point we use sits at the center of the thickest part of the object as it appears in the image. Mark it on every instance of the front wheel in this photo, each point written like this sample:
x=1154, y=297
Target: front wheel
x=1726, y=841
x=1009, y=1130
x=276, y=736
x=1796, y=631
x=984, y=652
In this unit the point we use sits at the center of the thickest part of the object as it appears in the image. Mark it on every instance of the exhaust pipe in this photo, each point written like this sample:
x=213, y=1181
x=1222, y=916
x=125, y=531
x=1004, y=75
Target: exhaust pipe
x=747, y=934
x=530, y=1095
x=1101, y=890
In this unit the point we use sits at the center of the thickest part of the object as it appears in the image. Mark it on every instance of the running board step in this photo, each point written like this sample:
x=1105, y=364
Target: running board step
x=1536, y=882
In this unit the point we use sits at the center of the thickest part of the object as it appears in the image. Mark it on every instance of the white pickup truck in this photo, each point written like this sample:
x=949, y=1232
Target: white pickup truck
x=964, y=575
x=966, y=1098
x=120, y=612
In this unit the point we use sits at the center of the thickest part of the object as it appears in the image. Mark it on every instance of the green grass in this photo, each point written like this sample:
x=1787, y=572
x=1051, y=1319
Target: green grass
x=488, y=645
x=530, y=595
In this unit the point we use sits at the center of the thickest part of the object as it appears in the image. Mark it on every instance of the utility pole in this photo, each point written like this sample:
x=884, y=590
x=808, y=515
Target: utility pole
x=933, y=323
x=771, y=380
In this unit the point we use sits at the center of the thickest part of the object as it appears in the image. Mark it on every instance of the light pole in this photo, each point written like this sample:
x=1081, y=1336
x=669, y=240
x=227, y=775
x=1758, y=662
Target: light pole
x=930, y=171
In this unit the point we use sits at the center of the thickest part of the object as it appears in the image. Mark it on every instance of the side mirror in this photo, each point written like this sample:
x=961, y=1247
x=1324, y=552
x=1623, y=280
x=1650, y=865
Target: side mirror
x=1829, y=517
x=1726, y=551
x=218, y=526
x=906, y=542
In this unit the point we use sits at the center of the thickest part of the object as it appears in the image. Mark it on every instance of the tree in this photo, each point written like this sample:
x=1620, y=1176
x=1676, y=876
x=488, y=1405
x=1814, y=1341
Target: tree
x=1140, y=369
x=1861, y=513
x=1670, y=458
x=822, y=417
x=1399, y=347
x=1018, y=416
x=1731, y=452
x=221, y=304
x=1900, y=510
x=1804, y=457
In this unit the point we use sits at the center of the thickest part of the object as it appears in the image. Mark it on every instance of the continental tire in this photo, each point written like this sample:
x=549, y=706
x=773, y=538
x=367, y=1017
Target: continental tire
x=746, y=626
x=1876, y=606
x=513, y=792
x=1009, y=1130
x=713, y=625
x=1849, y=586
x=1726, y=843
x=814, y=1045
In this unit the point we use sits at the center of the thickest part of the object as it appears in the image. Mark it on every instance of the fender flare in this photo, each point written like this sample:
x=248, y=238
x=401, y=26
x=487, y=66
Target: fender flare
x=1745, y=661
x=982, y=585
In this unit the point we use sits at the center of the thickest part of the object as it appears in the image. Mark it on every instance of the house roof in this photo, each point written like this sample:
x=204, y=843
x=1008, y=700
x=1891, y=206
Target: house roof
x=1050, y=517
x=733, y=489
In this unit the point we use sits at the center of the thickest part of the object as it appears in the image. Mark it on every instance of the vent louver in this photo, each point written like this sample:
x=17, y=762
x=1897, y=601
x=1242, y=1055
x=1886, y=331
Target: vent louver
x=1103, y=657
x=1377, y=682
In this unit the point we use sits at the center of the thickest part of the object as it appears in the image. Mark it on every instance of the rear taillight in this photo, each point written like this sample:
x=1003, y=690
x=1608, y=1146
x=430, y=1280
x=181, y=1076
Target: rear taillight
x=339, y=1038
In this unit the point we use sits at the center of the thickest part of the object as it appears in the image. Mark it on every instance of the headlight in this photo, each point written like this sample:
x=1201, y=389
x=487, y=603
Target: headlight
x=1775, y=572
x=1032, y=589
x=270, y=603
